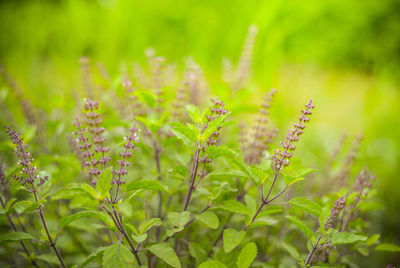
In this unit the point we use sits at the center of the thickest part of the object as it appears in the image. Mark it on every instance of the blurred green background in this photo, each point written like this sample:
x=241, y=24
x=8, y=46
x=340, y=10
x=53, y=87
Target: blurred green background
x=343, y=54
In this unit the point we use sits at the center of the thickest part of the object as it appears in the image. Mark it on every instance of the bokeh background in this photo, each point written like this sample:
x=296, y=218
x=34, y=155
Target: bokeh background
x=345, y=55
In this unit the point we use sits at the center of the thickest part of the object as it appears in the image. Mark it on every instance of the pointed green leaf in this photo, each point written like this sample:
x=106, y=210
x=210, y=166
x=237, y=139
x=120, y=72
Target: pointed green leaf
x=147, y=224
x=209, y=219
x=21, y=206
x=146, y=184
x=117, y=256
x=95, y=254
x=247, y=255
x=213, y=126
x=345, y=238
x=82, y=214
x=15, y=236
x=301, y=225
x=307, y=205
x=232, y=238
x=184, y=133
x=194, y=114
x=302, y=172
x=234, y=206
x=103, y=184
x=388, y=247
x=165, y=252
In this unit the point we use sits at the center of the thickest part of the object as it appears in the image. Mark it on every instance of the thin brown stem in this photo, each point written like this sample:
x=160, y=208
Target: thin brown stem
x=310, y=255
x=44, y=223
x=16, y=230
x=196, y=162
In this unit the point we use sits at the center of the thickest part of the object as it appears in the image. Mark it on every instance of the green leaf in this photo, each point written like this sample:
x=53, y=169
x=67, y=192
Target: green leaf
x=232, y=239
x=246, y=169
x=147, y=97
x=214, y=152
x=15, y=236
x=194, y=114
x=68, y=192
x=147, y=224
x=345, y=238
x=301, y=225
x=213, y=126
x=184, y=133
x=372, y=240
x=103, y=184
x=116, y=256
x=388, y=247
x=165, y=252
x=292, y=250
x=289, y=180
x=147, y=184
x=307, y=205
x=49, y=258
x=178, y=220
x=93, y=256
x=2, y=211
x=209, y=219
x=234, y=206
x=139, y=238
x=88, y=213
x=212, y=264
x=302, y=172
x=21, y=206
x=247, y=255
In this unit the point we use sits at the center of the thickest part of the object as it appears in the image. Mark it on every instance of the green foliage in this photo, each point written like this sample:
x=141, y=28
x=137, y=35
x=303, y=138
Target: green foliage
x=166, y=253
x=247, y=255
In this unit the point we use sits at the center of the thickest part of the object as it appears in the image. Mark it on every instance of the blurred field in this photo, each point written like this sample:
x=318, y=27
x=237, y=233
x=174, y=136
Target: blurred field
x=343, y=55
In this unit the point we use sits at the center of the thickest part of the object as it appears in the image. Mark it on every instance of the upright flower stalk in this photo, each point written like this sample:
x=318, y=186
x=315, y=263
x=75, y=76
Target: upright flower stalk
x=91, y=143
x=32, y=182
x=339, y=205
x=280, y=158
x=217, y=110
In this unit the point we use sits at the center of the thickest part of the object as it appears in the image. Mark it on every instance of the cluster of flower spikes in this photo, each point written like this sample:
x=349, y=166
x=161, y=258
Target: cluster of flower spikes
x=123, y=163
x=28, y=173
x=94, y=121
x=364, y=182
x=340, y=203
x=89, y=147
x=262, y=137
x=216, y=111
x=280, y=158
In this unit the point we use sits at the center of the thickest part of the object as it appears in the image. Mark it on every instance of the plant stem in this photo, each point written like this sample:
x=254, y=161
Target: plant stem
x=16, y=230
x=117, y=219
x=157, y=153
x=192, y=179
x=310, y=255
x=44, y=223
